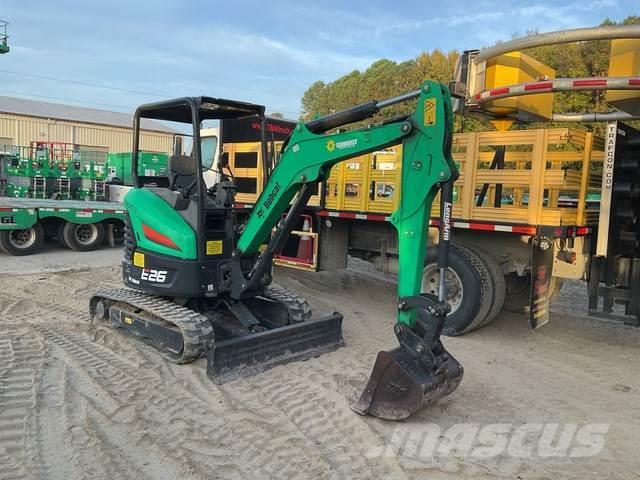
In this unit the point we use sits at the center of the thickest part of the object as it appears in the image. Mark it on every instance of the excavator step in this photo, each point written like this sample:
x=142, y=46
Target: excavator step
x=243, y=356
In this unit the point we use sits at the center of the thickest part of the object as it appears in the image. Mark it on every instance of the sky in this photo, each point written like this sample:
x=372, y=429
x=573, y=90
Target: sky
x=118, y=54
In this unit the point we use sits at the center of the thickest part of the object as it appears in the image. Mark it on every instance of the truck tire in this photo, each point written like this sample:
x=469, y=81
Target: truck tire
x=83, y=237
x=555, y=287
x=518, y=290
x=22, y=241
x=468, y=290
x=487, y=286
x=497, y=279
x=60, y=235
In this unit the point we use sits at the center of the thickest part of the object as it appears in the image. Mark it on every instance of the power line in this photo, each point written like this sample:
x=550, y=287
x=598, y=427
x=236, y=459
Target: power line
x=106, y=87
x=87, y=84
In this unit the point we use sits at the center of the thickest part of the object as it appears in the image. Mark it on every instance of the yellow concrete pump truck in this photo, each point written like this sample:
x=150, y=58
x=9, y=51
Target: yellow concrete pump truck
x=200, y=282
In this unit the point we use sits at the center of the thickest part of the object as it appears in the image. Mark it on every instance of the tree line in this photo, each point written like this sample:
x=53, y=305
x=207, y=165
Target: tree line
x=386, y=78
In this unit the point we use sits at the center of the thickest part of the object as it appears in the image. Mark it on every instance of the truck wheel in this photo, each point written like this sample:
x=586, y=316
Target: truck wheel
x=519, y=291
x=24, y=241
x=468, y=288
x=60, y=235
x=555, y=287
x=83, y=237
x=497, y=279
x=487, y=286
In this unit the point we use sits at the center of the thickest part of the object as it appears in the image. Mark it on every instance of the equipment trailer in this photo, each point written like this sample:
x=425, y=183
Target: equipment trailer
x=78, y=225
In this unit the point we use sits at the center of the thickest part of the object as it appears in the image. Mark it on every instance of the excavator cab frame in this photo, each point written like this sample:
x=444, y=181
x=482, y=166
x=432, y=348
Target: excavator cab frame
x=191, y=111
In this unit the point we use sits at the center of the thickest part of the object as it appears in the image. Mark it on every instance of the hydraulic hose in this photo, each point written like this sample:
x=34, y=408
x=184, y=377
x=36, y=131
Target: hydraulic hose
x=357, y=113
x=446, y=200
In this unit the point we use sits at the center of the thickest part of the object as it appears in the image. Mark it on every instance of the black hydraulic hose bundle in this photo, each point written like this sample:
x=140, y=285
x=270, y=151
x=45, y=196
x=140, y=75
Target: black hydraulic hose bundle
x=446, y=201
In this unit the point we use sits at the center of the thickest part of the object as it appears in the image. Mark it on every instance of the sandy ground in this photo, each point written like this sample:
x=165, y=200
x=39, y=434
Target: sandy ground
x=78, y=400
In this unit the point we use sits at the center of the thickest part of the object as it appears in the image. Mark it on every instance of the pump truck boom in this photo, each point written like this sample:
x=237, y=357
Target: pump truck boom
x=201, y=283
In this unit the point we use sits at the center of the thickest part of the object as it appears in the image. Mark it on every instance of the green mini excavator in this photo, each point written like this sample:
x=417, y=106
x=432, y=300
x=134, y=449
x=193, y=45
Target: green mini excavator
x=200, y=281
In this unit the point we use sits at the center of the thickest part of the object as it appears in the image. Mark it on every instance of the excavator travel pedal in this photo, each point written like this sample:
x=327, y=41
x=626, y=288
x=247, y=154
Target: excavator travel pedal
x=418, y=372
x=247, y=355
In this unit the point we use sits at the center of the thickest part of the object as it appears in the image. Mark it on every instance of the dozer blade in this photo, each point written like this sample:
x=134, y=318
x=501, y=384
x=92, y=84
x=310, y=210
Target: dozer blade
x=400, y=384
x=243, y=356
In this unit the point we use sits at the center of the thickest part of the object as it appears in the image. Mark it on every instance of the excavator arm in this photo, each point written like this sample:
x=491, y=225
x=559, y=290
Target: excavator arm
x=420, y=370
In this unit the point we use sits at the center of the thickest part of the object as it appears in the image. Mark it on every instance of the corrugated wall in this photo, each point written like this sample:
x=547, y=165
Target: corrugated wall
x=24, y=130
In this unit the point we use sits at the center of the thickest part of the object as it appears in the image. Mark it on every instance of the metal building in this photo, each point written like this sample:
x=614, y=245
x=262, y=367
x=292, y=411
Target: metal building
x=24, y=121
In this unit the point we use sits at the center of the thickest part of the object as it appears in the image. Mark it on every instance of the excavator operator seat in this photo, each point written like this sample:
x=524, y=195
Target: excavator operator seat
x=182, y=175
x=181, y=187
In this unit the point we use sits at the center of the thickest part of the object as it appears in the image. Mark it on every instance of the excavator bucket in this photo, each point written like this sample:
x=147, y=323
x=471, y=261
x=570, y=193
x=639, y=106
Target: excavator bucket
x=250, y=354
x=400, y=384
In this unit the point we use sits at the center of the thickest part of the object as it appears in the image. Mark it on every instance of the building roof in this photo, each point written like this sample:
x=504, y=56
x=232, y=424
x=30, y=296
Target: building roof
x=59, y=111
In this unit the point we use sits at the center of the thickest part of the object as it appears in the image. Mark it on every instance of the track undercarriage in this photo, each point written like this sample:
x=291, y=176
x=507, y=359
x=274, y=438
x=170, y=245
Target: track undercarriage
x=238, y=338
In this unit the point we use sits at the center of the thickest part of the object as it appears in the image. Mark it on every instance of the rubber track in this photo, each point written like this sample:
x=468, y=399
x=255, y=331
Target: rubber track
x=298, y=307
x=197, y=331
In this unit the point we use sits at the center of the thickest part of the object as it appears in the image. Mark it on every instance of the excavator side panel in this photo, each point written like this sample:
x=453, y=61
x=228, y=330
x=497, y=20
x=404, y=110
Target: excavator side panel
x=158, y=226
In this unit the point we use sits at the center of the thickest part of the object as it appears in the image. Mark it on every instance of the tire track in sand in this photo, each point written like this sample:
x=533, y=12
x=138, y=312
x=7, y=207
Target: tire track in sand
x=23, y=306
x=21, y=361
x=197, y=436
x=70, y=440
x=325, y=418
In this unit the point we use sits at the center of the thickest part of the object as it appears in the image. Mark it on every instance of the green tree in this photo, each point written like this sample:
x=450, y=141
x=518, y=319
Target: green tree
x=386, y=78
x=312, y=99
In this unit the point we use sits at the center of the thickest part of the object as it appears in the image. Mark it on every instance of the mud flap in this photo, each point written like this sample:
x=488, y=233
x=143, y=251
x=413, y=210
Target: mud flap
x=400, y=384
x=541, y=270
x=243, y=356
